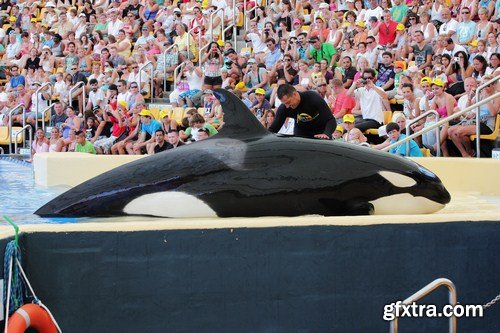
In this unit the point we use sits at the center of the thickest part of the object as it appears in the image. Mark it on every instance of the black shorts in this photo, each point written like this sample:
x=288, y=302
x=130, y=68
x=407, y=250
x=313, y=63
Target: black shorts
x=213, y=80
x=484, y=129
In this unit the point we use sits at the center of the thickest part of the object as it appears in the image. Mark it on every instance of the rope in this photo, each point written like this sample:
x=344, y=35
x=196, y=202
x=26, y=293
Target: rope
x=492, y=302
x=11, y=256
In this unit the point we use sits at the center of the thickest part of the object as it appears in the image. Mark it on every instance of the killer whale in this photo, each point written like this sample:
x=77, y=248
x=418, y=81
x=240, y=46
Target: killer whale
x=246, y=171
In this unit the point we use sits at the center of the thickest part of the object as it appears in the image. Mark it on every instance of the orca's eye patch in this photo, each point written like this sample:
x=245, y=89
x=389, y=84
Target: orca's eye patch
x=398, y=179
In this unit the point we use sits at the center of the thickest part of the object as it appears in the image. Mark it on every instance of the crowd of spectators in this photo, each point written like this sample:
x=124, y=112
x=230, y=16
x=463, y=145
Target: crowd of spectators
x=362, y=57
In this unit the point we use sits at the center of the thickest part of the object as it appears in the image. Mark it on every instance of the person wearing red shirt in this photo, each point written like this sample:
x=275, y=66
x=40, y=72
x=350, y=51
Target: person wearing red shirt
x=386, y=30
x=343, y=103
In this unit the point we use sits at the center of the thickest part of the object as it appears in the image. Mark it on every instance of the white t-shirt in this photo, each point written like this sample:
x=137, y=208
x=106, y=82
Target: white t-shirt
x=257, y=44
x=377, y=12
x=451, y=25
x=96, y=97
x=114, y=27
x=370, y=103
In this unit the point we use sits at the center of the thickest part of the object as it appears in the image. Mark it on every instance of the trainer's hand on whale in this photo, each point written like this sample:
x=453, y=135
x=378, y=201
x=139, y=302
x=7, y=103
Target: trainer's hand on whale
x=322, y=136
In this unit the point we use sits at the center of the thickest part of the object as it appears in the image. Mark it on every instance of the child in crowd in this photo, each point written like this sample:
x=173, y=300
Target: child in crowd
x=82, y=145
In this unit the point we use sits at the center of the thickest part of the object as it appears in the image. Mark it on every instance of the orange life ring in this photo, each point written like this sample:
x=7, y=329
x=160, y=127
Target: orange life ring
x=31, y=315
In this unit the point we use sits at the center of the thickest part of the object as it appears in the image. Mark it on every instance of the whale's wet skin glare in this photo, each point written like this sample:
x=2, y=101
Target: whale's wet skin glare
x=245, y=171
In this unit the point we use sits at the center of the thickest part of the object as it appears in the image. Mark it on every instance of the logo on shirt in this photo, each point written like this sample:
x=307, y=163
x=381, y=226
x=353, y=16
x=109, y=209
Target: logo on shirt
x=304, y=117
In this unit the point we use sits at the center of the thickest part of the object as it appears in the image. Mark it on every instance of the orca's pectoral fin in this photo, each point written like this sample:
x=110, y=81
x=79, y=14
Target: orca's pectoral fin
x=336, y=207
x=360, y=208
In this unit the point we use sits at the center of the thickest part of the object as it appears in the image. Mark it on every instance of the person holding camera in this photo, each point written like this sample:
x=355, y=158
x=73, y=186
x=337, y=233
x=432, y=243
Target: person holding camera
x=370, y=99
x=212, y=61
x=258, y=41
x=256, y=77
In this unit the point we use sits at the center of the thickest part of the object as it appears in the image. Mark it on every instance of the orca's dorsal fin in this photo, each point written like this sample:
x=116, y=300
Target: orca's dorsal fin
x=238, y=119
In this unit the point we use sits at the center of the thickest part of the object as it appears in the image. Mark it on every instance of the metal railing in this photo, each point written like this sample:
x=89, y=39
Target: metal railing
x=30, y=131
x=211, y=26
x=478, y=132
x=232, y=25
x=48, y=108
x=70, y=95
x=443, y=121
x=414, y=120
x=38, y=104
x=149, y=63
x=10, y=122
x=165, y=64
x=452, y=299
x=245, y=16
x=199, y=53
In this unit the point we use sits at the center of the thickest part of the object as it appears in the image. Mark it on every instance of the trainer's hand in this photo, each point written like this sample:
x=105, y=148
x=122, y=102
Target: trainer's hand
x=322, y=136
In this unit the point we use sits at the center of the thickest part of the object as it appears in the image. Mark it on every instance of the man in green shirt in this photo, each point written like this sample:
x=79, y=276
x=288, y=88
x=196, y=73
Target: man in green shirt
x=320, y=51
x=82, y=145
x=399, y=11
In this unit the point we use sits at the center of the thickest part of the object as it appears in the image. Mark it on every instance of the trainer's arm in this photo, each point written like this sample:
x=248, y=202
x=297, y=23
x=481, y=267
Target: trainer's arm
x=279, y=120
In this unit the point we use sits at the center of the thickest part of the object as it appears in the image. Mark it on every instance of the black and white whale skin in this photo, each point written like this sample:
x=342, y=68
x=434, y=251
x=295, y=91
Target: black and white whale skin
x=245, y=171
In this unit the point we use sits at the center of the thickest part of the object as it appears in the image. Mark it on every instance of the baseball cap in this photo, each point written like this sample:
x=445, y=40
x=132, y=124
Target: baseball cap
x=400, y=27
x=438, y=82
x=339, y=128
x=474, y=43
x=296, y=21
x=145, y=113
x=348, y=118
x=241, y=86
x=324, y=5
x=163, y=114
x=260, y=91
x=361, y=24
x=123, y=104
x=425, y=79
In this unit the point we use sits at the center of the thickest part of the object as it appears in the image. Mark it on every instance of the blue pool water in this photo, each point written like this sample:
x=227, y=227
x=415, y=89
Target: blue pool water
x=20, y=196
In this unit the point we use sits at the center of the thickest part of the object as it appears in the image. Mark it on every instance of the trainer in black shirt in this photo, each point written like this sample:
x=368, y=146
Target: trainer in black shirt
x=313, y=118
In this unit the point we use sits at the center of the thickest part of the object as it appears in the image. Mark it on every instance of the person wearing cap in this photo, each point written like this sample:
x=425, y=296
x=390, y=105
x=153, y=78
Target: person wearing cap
x=338, y=133
x=319, y=29
x=49, y=17
x=386, y=30
x=320, y=51
x=351, y=133
x=255, y=76
x=313, y=116
x=260, y=105
x=146, y=131
x=167, y=123
x=444, y=104
x=361, y=34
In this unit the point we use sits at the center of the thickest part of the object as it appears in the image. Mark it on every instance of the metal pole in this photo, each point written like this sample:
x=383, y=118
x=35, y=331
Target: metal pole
x=165, y=65
x=149, y=63
x=16, y=135
x=212, y=23
x=10, y=122
x=452, y=299
x=38, y=104
x=478, y=131
x=48, y=108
